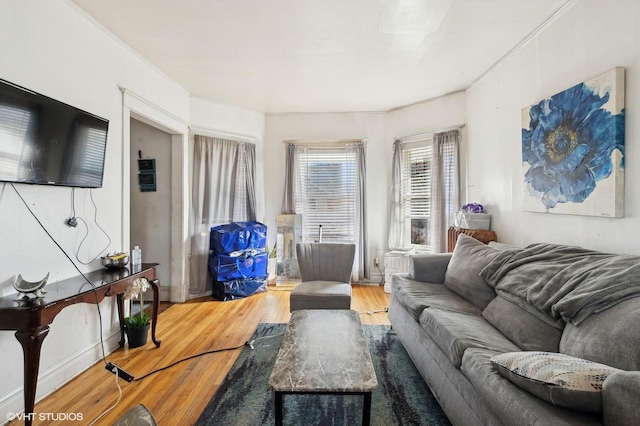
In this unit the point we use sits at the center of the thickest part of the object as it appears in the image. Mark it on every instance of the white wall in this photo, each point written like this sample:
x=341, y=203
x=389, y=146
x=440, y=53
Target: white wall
x=588, y=39
x=50, y=47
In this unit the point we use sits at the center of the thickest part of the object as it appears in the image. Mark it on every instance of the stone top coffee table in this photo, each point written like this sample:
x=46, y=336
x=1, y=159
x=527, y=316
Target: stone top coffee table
x=324, y=352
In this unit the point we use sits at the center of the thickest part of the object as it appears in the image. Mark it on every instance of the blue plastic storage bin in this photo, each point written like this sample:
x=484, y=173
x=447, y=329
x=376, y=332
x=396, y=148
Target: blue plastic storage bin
x=237, y=289
x=237, y=236
x=224, y=267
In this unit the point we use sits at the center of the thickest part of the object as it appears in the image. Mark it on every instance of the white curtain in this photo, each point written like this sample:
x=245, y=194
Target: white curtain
x=292, y=185
x=361, y=267
x=222, y=192
x=445, y=189
x=397, y=224
x=244, y=206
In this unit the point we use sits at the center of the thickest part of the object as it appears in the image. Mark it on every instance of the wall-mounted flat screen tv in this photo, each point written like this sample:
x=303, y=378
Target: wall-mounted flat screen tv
x=44, y=141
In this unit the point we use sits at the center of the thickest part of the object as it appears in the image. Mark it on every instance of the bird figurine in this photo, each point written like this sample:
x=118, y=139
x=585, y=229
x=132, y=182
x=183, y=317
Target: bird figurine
x=26, y=287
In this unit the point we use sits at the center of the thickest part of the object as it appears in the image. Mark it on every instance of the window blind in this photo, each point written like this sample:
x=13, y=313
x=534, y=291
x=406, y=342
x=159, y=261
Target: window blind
x=416, y=190
x=327, y=194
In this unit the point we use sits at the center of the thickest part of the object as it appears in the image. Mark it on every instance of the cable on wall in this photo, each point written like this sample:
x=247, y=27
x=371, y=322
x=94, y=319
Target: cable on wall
x=95, y=291
x=86, y=225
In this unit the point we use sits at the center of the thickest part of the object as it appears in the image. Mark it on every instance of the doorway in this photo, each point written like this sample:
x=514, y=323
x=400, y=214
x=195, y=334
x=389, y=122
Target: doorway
x=136, y=110
x=150, y=194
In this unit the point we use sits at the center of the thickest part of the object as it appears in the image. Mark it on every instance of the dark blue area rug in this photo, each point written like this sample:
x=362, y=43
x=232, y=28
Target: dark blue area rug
x=402, y=397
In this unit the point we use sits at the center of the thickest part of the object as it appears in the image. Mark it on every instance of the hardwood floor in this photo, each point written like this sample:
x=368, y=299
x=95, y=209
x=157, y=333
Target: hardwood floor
x=177, y=396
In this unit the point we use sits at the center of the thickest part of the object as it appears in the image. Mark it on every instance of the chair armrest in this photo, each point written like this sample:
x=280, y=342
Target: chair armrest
x=620, y=397
x=429, y=268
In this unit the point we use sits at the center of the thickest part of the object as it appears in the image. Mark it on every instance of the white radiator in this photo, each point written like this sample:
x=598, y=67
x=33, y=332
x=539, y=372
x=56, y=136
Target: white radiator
x=394, y=262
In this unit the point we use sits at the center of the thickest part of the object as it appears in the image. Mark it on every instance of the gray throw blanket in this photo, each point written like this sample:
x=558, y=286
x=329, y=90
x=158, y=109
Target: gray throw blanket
x=562, y=281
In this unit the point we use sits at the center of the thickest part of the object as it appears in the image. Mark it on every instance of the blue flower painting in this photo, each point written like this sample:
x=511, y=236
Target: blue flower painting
x=572, y=145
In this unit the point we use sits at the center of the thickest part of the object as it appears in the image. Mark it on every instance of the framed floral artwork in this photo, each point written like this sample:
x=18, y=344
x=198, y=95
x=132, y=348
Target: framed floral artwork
x=573, y=149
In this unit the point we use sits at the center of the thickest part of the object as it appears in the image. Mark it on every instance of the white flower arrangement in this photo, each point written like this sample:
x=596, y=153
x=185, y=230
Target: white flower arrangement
x=135, y=289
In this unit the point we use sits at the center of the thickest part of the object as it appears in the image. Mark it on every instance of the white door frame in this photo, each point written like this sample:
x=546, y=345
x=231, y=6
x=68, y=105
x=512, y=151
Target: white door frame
x=134, y=106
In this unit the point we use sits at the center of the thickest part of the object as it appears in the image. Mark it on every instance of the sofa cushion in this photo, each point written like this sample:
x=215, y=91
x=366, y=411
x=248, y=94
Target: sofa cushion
x=620, y=396
x=320, y=295
x=429, y=268
x=521, y=327
x=415, y=296
x=512, y=404
x=607, y=337
x=454, y=332
x=469, y=257
x=557, y=378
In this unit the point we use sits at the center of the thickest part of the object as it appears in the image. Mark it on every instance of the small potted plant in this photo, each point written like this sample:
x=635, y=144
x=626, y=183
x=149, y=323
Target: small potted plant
x=136, y=326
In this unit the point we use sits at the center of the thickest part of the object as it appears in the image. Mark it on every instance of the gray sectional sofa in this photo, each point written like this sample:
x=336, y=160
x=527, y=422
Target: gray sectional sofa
x=542, y=335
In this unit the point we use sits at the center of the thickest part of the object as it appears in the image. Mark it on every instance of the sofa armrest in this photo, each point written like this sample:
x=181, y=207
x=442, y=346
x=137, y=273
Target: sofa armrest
x=620, y=396
x=429, y=268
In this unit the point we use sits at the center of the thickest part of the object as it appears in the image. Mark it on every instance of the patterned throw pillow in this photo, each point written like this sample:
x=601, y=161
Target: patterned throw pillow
x=560, y=379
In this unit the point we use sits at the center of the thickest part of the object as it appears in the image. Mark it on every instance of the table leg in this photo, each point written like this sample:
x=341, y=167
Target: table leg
x=154, y=311
x=278, y=408
x=120, y=303
x=31, y=341
x=366, y=410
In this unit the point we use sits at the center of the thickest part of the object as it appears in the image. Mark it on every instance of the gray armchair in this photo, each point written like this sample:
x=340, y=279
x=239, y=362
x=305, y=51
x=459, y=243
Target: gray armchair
x=325, y=269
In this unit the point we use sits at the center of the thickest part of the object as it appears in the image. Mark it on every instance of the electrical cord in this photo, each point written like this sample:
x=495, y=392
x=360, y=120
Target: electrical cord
x=95, y=290
x=86, y=225
x=189, y=358
x=381, y=275
x=386, y=309
x=73, y=202
x=114, y=405
x=248, y=343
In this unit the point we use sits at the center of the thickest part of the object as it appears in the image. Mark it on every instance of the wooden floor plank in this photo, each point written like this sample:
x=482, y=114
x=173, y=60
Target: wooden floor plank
x=179, y=394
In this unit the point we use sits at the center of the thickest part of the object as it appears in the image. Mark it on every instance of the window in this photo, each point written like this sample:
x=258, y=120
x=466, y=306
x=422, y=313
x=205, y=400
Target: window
x=327, y=194
x=416, y=191
x=325, y=184
x=425, y=194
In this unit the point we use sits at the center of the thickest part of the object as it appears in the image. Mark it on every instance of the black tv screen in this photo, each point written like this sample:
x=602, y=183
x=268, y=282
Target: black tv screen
x=44, y=141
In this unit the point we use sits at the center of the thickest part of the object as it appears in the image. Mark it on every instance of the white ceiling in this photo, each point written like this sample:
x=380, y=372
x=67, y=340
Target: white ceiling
x=322, y=55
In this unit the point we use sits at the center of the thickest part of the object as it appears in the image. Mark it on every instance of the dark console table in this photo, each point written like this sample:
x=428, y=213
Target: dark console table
x=31, y=319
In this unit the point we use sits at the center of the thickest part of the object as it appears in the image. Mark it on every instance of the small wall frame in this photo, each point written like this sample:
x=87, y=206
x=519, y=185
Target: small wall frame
x=147, y=174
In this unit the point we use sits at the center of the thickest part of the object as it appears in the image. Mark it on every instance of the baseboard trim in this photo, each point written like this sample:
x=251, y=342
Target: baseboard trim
x=369, y=283
x=58, y=375
x=375, y=279
x=165, y=293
